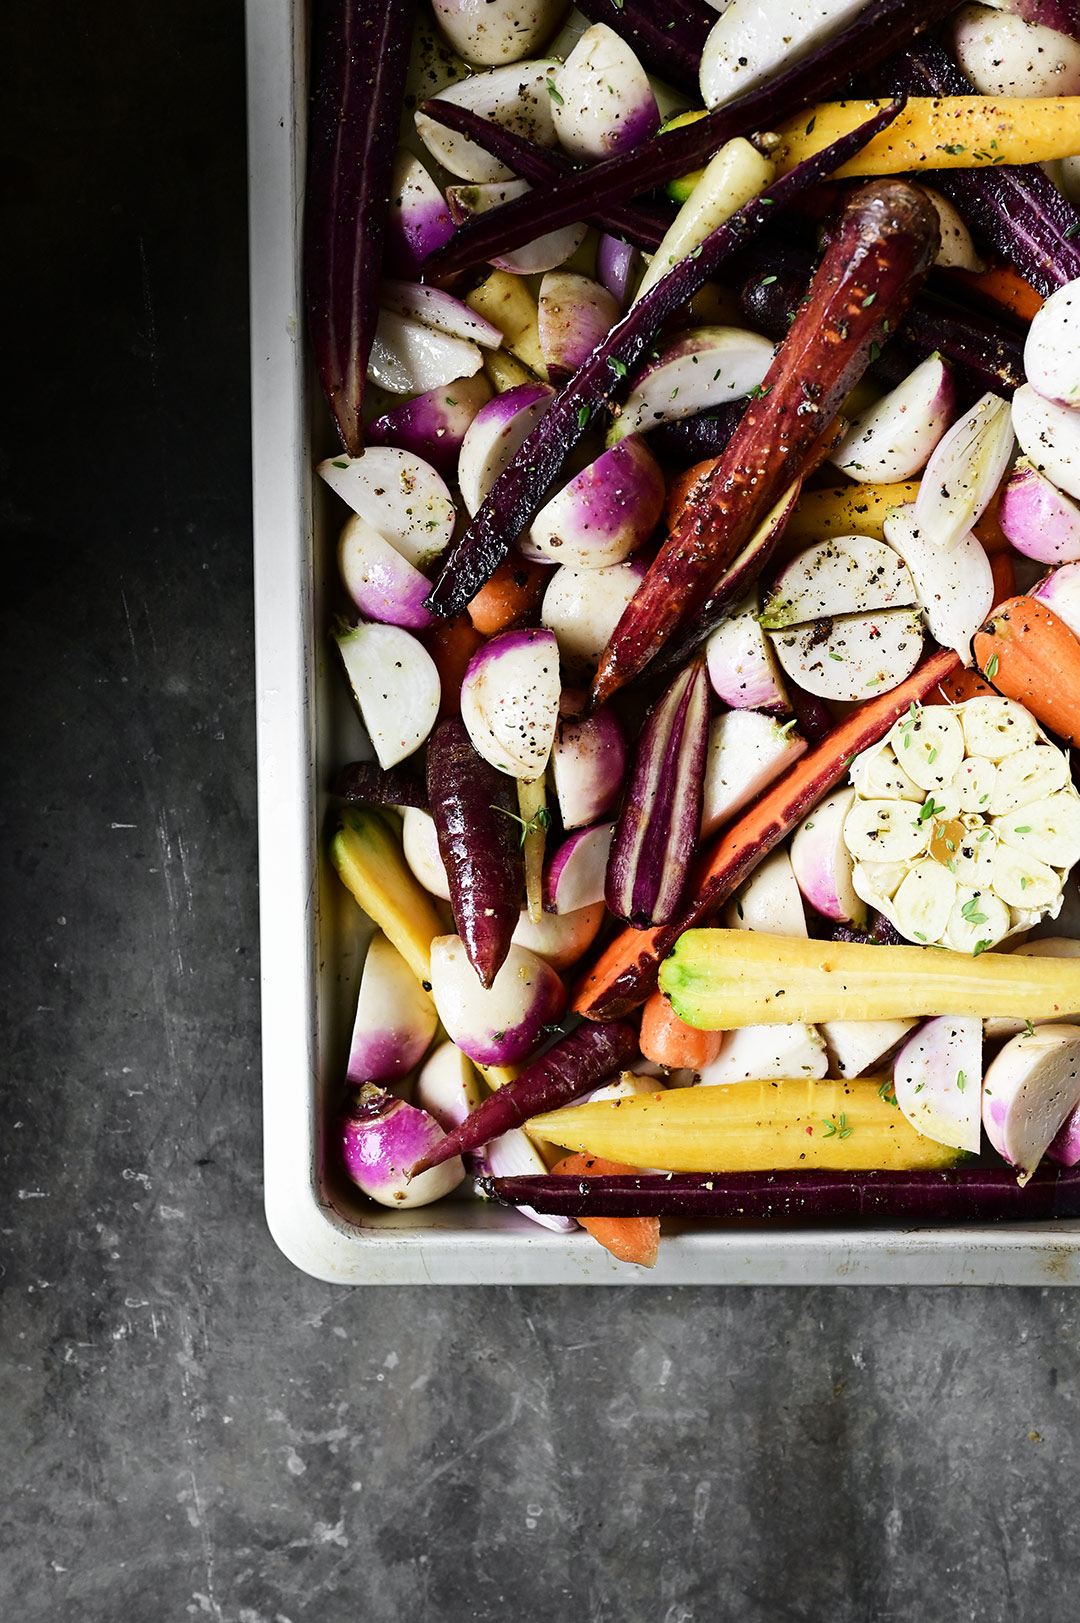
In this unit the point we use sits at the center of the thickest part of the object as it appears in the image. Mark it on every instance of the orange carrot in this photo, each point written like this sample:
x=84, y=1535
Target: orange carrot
x=513, y=591
x=1003, y=286
x=1001, y=567
x=451, y=644
x=631, y=1239
x=667, y=1040
x=1032, y=656
x=962, y=685
x=625, y=974
x=988, y=531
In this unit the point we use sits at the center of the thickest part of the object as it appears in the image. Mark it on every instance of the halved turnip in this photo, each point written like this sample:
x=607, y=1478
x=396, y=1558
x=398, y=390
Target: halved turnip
x=957, y=250
x=964, y=471
x=439, y=310
x=1052, y=346
x=1003, y=55
x=575, y=875
x=544, y=253
x=853, y=656
x=1049, y=437
x=737, y=173
x=822, y=863
x=769, y=900
x=602, y=101
x=742, y=667
x=395, y=684
x=705, y=367
x=1029, y=1092
x=418, y=220
x=955, y=588
x=420, y=843
x=515, y=96
x=747, y=752
x=381, y=1138
x=583, y=607
x=755, y=39
x=845, y=575
x=575, y=313
x=856, y=1046
x=588, y=764
x=488, y=33
x=383, y=585
x=604, y=514
x=1038, y=519
x=615, y=263
x=937, y=1078
x=894, y=438
x=395, y=1018
x=501, y=1025
x=766, y=1054
x=1062, y=591
x=448, y=1086
x=495, y=435
x=510, y=701
x=399, y=495
x=433, y=424
x=408, y=357
x=560, y=939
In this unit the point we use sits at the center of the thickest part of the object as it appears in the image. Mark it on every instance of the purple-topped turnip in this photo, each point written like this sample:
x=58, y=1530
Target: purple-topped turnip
x=615, y=261
x=602, y=101
x=703, y=368
x=513, y=1154
x=1061, y=590
x=823, y=864
x=383, y=585
x=1038, y=519
x=399, y=495
x=574, y=314
x=448, y=1086
x=1006, y=55
x=755, y=40
x=955, y=588
x=588, y=764
x=500, y=1024
x=937, y=1078
x=747, y=752
x=894, y=438
x=409, y=358
x=575, y=874
x=440, y=310
x=1030, y=1090
x=419, y=220
x=856, y=1046
x=1052, y=347
x=395, y=1018
x=381, y=1138
x=516, y=95
x=742, y=667
x=965, y=469
x=583, y=607
x=769, y=901
x=510, y=701
x=543, y=253
x=495, y=435
x=560, y=939
x=604, y=514
x=420, y=843
x=396, y=686
x=433, y=424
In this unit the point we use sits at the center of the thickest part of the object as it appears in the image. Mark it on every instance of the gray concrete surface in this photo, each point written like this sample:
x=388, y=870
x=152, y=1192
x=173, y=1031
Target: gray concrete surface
x=188, y=1427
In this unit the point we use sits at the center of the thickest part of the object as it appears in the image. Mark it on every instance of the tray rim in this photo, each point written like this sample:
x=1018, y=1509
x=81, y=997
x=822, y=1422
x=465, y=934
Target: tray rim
x=486, y=1247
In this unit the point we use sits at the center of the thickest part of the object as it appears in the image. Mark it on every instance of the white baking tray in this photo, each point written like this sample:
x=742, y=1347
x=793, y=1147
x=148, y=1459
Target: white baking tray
x=309, y=928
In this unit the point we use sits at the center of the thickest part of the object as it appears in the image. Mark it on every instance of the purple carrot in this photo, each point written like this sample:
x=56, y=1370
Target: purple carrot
x=475, y=811
x=882, y=27
x=692, y=439
x=954, y=1194
x=518, y=492
x=1014, y=208
x=812, y=715
x=640, y=224
x=363, y=49
x=672, y=52
x=362, y=783
x=575, y=1065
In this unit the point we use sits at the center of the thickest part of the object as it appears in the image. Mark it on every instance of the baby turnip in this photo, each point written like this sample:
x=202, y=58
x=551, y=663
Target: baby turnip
x=768, y=1053
x=574, y=314
x=381, y=1138
x=495, y=435
x=769, y=900
x=544, y=253
x=937, y=1079
x=1038, y=519
x=1049, y=436
x=1004, y=55
x=964, y=471
x=703, y=368
x=383, y=585
x=894, y=438
x=1061, y=590
x=489, y=33
x=420, y=842
x=510, y=701
x=575, y=875
x=515, y=96
x=605, y=512
x=822, y=863
x=583, y=607
x=499, y=1025
x=560, y=939
x=395, y=1018
x=433, y=424
x=602, y=101
x=1029, y=1091
x=742, y=667
x=395, y=684
x=747, y=752
x=400, y=495
x=409, y=358
x=955, y=588
x=418, y=220
x=448, y=1086
x=588, y=764
x=1052, y=346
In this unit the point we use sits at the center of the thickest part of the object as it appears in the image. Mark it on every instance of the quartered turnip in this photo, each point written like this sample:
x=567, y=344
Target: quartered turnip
x=544, y=253
x=560, y=939
x=500, y=1025
x=1029, y=1092
x=822, y=863
x=769, y=900
x=602, y=101
x=1039, y=520
x=420, y=842
x=515, y=96
x=937, y=1078
x=747, y=752
x=383, y=585
x=510, y=701
x=1049, y=437
x=439, y=310
x=395, y=1018
x=433, y=424
x=448, y=1087
x=704, y=367
x=616, y=262
x=409, y=358
x=1003, y=55
x=1061, y=590
x=957, y=251
x=605, y=512
x=853, y=656
x=395, y=684
x=856, y=1046
x=767, y=1053
x=742, y=667
x=418, y=220
x=954, y=588
x=399, y=495
x=756, y=39
x=588, y=764
x=964, y=471
x=488, y=33
x=514, y=1155
x=381, y=1138
x=574, y=314
x=583, y=607
x=1052, y=347
x=894, y=438
x=495, y=435
x=575, y=875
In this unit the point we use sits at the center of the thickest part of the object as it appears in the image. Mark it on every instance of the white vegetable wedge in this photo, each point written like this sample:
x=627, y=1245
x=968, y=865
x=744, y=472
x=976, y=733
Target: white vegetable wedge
x=395, y=1018
x=448, y=1087
x=604, y=514
x=420, y=844
x=1052, y=347
x=1049, y=437
x=856, y=1046
x=383, y=585
x=588, y=765
x=955, y=589
x=747, y=752
x=489, y=33
x=501, y=1025
x=853, y=656
x=705, y=367
x=822, y=863
x=409, y=358
x=737, y=173
x=964, y=471
x=1061, y=590
x=399, y=495
x=514, y=1155
x=583, y=607
x=494, y=437
x=544, y=253
x=743, y=670
x=768, y=1053
x=957, y=250
x=847, y=574
x=755, y=39
x=395, y=685
x=515, y=96
x=1039, y=520
x=576, y=873
x=574, y=313
x=769, y=900
x=602, y=101
x=937, y=1078
x=894, y=439
x=1003, y=55
x=1029, y=1091
x=510, y=701
x=560, y=939
x=440, y=310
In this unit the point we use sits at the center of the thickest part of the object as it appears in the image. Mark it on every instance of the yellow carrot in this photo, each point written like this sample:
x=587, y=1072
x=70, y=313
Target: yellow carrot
x=851, y=510
x=940, y=132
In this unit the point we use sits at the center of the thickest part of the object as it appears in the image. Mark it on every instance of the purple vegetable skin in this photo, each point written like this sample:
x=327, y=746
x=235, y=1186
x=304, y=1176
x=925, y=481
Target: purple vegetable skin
x=976, y=1194
x=882, y=27
x=475, y=808
x=432, y=425
x=692, y=439
x=514, y=499
x=359, y=85
x=362, y=783
x=576, y=1063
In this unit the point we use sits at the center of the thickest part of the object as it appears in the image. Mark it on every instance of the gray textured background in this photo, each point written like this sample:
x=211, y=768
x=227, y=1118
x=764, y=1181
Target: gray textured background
x=188, y=1426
